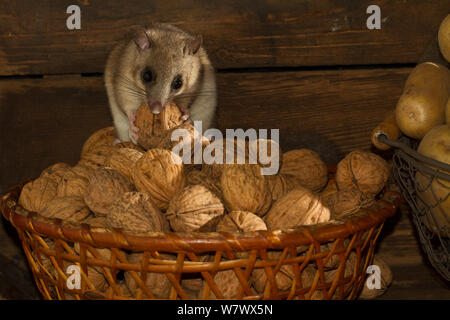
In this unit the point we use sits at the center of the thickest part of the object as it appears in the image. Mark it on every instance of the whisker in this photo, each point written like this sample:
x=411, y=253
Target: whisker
x=126, y=85
x=125, y=80
x=131, y=89
x=202, y=93
x=138, y=95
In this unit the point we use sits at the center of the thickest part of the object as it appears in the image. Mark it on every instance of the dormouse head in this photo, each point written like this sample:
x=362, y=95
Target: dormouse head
x=167, y=64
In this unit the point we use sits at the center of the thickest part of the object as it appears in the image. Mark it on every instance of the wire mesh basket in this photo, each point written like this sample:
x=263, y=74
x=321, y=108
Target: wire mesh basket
x=425, y=185
x=323, y=261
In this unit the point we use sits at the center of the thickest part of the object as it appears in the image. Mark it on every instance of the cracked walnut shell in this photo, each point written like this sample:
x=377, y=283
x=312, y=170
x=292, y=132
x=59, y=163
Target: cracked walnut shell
x=153, y=127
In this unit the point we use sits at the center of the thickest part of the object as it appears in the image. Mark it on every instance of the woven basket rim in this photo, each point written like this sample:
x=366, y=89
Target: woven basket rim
x=199, y=242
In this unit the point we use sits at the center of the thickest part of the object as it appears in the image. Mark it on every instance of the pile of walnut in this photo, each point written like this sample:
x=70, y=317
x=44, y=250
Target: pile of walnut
x=142, y=190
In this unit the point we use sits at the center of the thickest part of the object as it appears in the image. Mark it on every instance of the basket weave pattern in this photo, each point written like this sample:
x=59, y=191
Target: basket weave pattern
x=348, y=244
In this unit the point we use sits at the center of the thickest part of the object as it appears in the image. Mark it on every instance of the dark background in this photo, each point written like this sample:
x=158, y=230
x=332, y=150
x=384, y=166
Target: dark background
x=310, y=68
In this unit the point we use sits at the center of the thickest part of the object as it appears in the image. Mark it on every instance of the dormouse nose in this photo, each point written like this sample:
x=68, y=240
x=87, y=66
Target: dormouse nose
x=156, y=107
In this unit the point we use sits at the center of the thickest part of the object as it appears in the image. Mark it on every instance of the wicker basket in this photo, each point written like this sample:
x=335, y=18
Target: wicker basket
x=325, y=261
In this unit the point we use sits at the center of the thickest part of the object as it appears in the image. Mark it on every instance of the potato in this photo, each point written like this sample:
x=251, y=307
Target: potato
x=444, y=37
x=423, y=102
x=436, y=145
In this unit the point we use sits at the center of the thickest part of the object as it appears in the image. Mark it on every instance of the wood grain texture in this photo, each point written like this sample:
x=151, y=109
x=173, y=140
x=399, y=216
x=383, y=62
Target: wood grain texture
x=44, y=121
x=330, y=112
x=412, y=273
x=34, y=38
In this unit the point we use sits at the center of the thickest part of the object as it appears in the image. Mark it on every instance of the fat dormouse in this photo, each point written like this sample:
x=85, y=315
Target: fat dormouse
x=161, y=63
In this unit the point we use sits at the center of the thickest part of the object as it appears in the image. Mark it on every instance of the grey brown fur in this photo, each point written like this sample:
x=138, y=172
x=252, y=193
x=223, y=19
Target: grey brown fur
x=169, y=52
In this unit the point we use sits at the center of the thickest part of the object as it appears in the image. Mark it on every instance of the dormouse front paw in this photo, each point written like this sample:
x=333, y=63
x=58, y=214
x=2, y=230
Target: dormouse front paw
x=186, y=116
x=117, y=141
x=133, y=130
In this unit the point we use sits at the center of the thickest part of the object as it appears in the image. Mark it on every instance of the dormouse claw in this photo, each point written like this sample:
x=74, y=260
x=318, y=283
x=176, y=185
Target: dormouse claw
x=117, y=141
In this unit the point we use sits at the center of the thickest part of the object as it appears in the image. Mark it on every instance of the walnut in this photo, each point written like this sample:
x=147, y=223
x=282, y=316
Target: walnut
x=240, y=151
x=157, y=283
x=135, y=212
x=228, y=284
x=330, y=275
x=333, y=261
x=105, y=186
x=283, y=278
x=280, y=184
x=195, y=208
x=97, y=275
x=330, y=188
x=129, y=145
x=35, y=195
x=200, y=177
x=56, y=171
x=261, y=151
x=96, y=223
x=159, y=176
x=307, y=167
x=104, y=136
x=241, y=221
x=245, y=189
x=298, y=207
x=123, y=160
x=82, y=171
x=153, y=127
x=225, y=152
x=72, y=184
x=96, y=156
x=192, y=284
x=343, y=202
x=71, y=209
x=188, y=139
x=363, y=171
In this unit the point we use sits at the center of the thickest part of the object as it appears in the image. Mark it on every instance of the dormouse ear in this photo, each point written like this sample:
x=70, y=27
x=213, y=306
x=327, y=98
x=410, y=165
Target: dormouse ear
x=141, y=39
x=191, y=46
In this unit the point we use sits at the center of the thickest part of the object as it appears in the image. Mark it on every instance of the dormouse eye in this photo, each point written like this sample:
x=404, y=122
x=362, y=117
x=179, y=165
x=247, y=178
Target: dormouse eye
x=177, y=83
x=147, y=75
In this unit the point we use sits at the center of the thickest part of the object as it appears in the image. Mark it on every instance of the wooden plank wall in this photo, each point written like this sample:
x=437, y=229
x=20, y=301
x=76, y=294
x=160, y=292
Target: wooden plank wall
x=310, y=68
x=238, y=33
